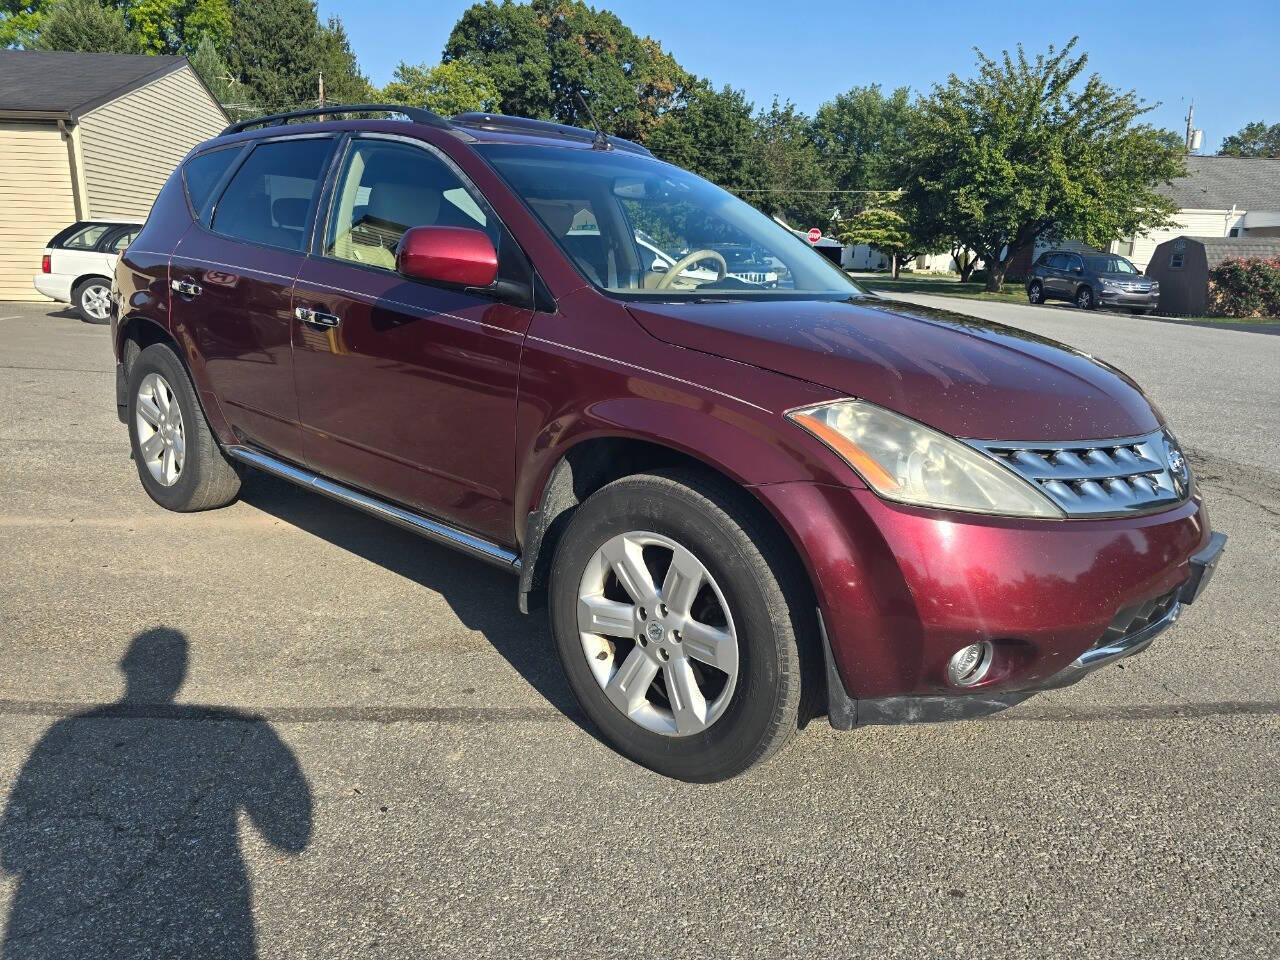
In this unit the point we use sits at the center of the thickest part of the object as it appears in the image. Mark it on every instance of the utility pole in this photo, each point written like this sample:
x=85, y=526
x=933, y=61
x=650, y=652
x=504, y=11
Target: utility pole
x=1191, y=119
x=322, y=88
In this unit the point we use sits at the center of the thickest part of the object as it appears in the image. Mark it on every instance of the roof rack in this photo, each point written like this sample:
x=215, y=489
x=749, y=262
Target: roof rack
x=415, y=115
x=501, y=123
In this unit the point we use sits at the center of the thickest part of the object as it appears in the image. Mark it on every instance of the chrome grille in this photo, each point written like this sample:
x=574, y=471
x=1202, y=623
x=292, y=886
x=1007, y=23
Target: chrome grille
x=1095, y=478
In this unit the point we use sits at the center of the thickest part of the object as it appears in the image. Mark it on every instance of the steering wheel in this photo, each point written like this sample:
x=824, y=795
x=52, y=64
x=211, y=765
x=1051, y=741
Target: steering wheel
x=677, y=268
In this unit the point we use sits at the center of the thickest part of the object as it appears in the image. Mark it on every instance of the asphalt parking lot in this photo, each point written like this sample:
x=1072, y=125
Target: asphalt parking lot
x=340, y=741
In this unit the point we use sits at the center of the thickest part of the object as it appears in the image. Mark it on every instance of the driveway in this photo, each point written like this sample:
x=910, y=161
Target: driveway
x=341, y=741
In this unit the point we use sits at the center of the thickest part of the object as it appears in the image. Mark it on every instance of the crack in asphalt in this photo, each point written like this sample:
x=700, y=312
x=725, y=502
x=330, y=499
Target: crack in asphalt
x=476, y=715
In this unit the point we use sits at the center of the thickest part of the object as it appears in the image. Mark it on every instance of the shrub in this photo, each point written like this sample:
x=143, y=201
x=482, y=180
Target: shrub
x=1245, y=288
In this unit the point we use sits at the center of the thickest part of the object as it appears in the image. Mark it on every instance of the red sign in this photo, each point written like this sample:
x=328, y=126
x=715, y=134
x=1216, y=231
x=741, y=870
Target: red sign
x=814, y=235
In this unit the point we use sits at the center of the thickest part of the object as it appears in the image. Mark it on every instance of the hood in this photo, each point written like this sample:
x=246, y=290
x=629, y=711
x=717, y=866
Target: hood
x=967, y=377
x=1137, y=278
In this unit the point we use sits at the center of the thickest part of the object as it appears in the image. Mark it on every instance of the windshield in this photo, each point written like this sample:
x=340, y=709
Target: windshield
x=1111, y=264
x=638, y=227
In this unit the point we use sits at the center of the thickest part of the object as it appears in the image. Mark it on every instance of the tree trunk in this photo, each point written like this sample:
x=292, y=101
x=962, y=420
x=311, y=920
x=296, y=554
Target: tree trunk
x=966, y=268
x=995, y=277
x=894, y=260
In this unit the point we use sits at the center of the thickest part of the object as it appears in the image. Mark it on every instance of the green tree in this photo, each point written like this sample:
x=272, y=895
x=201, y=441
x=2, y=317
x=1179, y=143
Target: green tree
x=1028, y=151
x=20, y=21
x=791, y=180
x=448, y=88
x=541, y=54
x=861, y=137
x=713, y=135
x=884, y=230
x=86, y=26
x=213, y=70
x=343, y=80
x=1253, y=140
x=177, y=26
x=278, y=50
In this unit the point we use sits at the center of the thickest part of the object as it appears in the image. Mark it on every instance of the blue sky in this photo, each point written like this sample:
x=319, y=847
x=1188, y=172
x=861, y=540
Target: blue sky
x=1224, y=55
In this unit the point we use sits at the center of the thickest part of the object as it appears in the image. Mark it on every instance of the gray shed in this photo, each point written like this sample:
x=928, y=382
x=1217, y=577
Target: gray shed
x=1182, y=266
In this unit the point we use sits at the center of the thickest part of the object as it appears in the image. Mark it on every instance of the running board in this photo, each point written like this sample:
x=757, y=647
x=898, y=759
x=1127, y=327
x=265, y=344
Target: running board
x=431, y=529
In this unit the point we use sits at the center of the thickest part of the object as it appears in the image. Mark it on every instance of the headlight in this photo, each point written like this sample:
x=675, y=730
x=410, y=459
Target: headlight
x=906, y=461
x=1112, y=283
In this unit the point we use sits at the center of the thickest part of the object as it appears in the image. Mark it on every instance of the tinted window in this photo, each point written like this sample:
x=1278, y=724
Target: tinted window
x=386, y=188
x=202, y=173
x=1058, y=261
x=87, y=238
x=270, y=198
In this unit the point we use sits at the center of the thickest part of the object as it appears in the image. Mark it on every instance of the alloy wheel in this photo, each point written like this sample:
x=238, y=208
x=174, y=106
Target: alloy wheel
x=1084, y=298
x=162, y=441
x=658, y=634
x=96, y=301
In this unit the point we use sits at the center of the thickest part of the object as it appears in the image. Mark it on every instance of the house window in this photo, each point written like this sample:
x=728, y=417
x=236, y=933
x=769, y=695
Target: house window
x=1175, y=262
x=1233, y=232
x=1124, y=247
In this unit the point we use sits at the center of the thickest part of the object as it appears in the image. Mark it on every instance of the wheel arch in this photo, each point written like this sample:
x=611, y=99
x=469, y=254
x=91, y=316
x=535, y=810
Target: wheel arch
x=590, y=463
x=145, y=331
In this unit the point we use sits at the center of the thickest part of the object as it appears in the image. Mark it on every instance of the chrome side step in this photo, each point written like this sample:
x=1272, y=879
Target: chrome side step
x=431, y=529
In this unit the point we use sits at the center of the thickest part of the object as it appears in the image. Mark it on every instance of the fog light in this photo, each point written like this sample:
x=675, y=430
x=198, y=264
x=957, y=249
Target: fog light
x=970, y=665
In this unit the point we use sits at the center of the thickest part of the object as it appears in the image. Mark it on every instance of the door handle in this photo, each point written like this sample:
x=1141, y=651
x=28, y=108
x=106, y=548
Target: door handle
x=316, y=317
x=186, y=287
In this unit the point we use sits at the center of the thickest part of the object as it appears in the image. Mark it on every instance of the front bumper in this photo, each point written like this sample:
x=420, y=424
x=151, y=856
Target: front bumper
x=901, y=589
x=1116, y=644
x=1124, y=298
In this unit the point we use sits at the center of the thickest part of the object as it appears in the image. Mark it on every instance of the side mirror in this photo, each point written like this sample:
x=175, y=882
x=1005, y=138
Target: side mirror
x=1077, y=269
x=458, y=256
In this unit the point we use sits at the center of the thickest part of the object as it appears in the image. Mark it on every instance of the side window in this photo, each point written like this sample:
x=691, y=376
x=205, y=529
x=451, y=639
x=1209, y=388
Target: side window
x=87, y=238
x=384, y=189
x=118, y=244
x=1075, y=263
x=1058, y=261
x=202, y=173
x=270, y=198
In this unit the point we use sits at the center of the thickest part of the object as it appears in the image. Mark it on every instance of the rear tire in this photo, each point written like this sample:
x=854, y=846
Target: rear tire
x=1035, y=292
x=179, y=461
x=92, y=300
x=747, y=587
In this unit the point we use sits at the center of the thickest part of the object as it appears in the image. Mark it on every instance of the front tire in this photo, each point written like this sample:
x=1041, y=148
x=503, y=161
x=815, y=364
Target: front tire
x=92, y=300
x=179, y=461
x=680, y=619
x=1084, y=298
x=1035, y=292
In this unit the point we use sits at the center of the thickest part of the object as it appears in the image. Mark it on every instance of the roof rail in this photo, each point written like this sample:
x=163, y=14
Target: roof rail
x=415, y=115
x=501, y=123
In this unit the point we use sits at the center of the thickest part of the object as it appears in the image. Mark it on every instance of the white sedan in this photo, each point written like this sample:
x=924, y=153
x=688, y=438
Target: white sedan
x=79, y=262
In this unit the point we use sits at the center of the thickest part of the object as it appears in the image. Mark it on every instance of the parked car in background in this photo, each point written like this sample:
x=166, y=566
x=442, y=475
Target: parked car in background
x=1091, y=280
x=78, y=264
x=738, y=501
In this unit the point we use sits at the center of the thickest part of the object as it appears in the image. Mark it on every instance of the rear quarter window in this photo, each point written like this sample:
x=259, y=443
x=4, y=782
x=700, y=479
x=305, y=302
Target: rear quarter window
x=86, y=238
x=202, y=173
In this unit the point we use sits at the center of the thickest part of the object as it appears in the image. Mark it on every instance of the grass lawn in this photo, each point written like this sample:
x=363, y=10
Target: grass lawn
x=942, y=286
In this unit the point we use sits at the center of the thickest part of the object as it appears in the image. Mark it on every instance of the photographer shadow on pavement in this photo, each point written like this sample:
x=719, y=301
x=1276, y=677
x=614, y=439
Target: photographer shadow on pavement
x=122, y=826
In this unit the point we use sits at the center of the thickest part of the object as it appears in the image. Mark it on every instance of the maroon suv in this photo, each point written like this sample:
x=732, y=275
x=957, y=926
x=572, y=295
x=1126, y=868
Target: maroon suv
x=740, y=494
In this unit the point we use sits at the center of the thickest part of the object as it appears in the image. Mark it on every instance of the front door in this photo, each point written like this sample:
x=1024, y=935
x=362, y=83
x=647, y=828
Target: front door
x=405, y=389
x=231, y=281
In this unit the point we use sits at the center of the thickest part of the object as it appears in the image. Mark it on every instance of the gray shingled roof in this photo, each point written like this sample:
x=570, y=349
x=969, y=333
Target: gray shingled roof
x=1217, y=249
x=1215, y=183
x=41, y=82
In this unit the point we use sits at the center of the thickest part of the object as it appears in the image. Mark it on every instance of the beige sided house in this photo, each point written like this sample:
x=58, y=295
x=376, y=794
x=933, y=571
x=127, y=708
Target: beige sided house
x=88, y=136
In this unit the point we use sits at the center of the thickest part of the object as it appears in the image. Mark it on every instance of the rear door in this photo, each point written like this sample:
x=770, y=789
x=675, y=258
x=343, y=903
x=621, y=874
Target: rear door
x=232, y=276
x=408, y=389
x=1055, y=275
